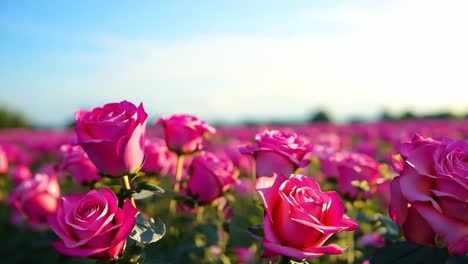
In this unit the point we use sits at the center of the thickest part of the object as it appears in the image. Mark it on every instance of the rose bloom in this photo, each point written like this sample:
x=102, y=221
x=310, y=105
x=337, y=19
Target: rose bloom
x=430, y=196
x=184, y=133
x=78, y=164
x=92, y=225
x=113, y=136
x=20, y=173
x=3, y=161
x=278, y=152
x=210, y=177
x=299, y=217
x=36, y=198
x=158, y=158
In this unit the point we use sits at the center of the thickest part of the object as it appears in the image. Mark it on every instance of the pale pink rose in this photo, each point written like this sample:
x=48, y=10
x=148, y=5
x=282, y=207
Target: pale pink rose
x=184, y=133
x=113, y=136
x=210, y=177
x=20, y=173
x=430, y=196
x=278, y=152
x=3, y=161
x=299, y=217
x=159, y=159
x=77, y=163
x=92, y=225
x=36, y=198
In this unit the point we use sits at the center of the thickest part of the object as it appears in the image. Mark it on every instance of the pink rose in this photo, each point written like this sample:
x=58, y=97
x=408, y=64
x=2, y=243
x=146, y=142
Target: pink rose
x=3, y=161
x=78, y=164
x=210, y=177
x=430, y=196
x=184, y=133
x=113, y=136
x=158, y=158
x=371, y=239
x=349, y=166
x=244, y=254
x=278, y=152
x=299, y=217
x=36, y=198
x=20, y=173
x=92, y=224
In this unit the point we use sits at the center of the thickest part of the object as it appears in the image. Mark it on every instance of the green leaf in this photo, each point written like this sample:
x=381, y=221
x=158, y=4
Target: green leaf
x=409, y=253
x=256, y=231
x=145, y=190
x=147, y=231
x=391, y=227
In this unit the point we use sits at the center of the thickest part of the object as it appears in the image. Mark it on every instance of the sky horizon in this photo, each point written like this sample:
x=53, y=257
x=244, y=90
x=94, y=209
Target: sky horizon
x=231, y=61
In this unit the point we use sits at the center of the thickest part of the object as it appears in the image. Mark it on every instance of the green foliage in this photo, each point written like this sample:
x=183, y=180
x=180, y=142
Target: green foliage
x=410, y=253
x=12, y=119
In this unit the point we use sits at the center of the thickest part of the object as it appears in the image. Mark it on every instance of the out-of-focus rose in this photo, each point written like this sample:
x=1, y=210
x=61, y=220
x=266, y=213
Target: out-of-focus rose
x=230, y=150
x=36, y=198
x=244, y=187
x=20, y=173
x=78, y=164
x=210, y=177
x=113, y=136
x=430, y=196
x=278, y=152
x=349, y=166
x=159, y=159
x=184, y=133
x=92, y=224
x=371, y=239
x=3, y=161
x=299, y=217
x=243, y=254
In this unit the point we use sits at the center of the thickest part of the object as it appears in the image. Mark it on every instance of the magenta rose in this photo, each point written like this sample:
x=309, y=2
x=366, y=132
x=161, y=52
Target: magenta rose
x=113, y=136
x=430, y=196
x=184, y=133
x=278, y=152
x=158, y=158
x=299, y=217
x=36, y=198
x=92, y=225
x=78, y=164
x=20, y=173
x=210, y=177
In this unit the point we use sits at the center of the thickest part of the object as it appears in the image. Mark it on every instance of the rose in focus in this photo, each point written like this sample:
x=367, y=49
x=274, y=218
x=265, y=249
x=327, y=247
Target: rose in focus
x=113, y=136
x=92, y=224
x=278, y=152
x=430, y=196
x=184, y=133
x=299, y=217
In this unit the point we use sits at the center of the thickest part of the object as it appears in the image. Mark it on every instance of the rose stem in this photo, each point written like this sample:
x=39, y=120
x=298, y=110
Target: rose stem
x=173, y=203
x=126, y=185
x=350, y=235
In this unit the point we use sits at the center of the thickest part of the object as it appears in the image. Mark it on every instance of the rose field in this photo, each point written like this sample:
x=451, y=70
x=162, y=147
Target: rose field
x=119, y=187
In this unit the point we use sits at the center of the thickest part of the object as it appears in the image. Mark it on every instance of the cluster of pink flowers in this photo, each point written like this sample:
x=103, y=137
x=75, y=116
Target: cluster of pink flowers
x=425, y=182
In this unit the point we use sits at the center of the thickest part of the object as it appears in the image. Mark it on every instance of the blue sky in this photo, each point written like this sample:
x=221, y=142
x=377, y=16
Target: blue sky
x=233, y=60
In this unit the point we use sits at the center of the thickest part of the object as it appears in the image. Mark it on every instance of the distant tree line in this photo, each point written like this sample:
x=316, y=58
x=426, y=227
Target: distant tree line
x=12, y=119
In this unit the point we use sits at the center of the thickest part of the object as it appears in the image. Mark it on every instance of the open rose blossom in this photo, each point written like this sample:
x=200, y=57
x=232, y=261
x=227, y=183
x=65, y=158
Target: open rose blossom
x=36, y=198
x=430, y=196
x=278, y=152
x=78, y=164
x=299, y=217
x=113, y=136
x=184, y=133
x=210, y=177
x=92, y=225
